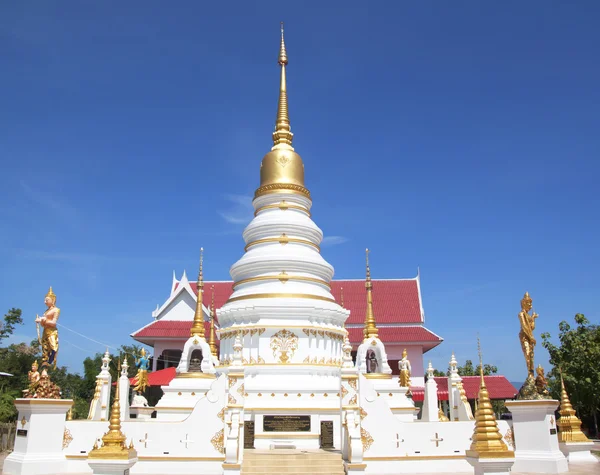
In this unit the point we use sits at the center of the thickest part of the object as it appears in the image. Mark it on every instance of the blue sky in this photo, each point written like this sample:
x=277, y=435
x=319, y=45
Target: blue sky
x=458, y=137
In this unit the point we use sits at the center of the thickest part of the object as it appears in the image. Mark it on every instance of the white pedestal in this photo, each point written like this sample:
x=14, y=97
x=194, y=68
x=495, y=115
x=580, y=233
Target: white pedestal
x=536, y=442
x=111, y=467
x=578, y=452
x=38, y=444
x=141, y=412
x=491, y=466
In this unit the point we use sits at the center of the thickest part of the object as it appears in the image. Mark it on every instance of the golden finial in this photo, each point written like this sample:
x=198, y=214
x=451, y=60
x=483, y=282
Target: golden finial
x=370, y=326
x=487, y=439
x=282, y=134
x=569, y=425
x=113, y=442
x=342, y=297
x=212, y=342
x=198, y=326
x=70, y=414
x=282, y=167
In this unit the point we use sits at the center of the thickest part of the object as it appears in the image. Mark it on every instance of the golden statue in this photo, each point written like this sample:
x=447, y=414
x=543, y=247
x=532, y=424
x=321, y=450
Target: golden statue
x=526, y=334
x=141, y=378
x=49, y=338
x=34, y=378
x=541, y=385
x=405, y=370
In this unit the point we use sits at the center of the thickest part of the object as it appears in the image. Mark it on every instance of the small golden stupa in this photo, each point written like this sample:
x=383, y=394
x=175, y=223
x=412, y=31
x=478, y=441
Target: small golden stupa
x=114, y=444
x=569, y=425
x=487, y=439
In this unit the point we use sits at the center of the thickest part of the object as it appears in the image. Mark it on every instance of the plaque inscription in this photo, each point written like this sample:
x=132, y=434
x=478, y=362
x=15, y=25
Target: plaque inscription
x=22, y=432
x=286, y=423
x=326, y=434
x=249, y=434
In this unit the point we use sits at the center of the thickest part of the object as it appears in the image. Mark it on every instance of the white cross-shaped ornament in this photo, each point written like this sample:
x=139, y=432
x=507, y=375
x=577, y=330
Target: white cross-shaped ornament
x=145, y=440
x=187, y=440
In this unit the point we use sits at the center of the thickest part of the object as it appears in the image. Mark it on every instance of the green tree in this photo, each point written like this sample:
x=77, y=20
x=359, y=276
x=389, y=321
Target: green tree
x=577, y=356
x=469, y=370
x=12, y=318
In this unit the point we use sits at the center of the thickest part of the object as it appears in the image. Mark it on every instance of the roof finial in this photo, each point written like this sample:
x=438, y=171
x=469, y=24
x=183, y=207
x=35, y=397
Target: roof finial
x=370, y=327
x=282, y=137
x=198, y=326
x=212, y=341
x=342, y=296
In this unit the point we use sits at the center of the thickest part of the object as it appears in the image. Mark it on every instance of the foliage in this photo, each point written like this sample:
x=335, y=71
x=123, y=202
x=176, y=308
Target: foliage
x=12, y=318
x=577, y=356
x=469, y=370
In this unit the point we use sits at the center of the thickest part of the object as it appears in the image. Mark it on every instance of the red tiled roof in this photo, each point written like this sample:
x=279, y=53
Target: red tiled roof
x=498, y=387
x=394, y=301
x=161, y=377
x=175, y=329
x=406, y=334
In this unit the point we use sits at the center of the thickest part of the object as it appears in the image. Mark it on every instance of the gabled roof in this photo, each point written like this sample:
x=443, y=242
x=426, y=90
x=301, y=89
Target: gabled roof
x=416, y=334
x=166, y=330
x=394, y=300
x=498, y=387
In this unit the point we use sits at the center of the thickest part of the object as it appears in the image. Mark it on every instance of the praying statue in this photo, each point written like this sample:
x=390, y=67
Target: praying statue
x=527, y=322
x=405, y=370
x=49, y=338
x=141, y=378
x=541, y=385
x=139, y=401
x=34, y=378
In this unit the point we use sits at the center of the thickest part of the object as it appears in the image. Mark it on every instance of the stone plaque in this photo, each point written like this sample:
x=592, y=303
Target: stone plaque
x=552, y=431
x=22, y=432
x=326, y=436
x=249, y=434
x=286, y=423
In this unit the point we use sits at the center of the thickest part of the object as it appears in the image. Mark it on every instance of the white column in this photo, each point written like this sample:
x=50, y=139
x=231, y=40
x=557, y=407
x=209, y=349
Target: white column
x=38, y=444
x=536, y=442
x=430, y=404
x=453, y=393
x=124, y=391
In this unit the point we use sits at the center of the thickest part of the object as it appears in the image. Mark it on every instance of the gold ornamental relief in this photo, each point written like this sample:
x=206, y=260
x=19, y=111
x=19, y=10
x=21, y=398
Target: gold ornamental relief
x=284, y=344
x=221, y=414
x=67, y=438
x=366, y=439
x=283, y=160
x=218, y=441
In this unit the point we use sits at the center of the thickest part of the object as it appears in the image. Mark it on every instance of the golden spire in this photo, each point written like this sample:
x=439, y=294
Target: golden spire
x=282, y=167
x=213, y=338
x=370, y=327
x=198, y=326
x=569, y=425
x=283, y=131
x=114, y=441
x=487, y=439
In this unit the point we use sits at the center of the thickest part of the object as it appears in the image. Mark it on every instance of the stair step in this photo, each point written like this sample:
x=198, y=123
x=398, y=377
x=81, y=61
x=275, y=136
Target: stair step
x=292, y=462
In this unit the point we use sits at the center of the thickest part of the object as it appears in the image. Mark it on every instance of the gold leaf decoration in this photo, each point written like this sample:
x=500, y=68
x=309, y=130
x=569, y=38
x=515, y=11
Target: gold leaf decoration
x=352, y=384
x=509, y=437
x=241, y=390
x=363, y=414
x=284, y=344
x=218, y=441
x=232, y=381
x=231, y=400
x=221, y=414
x=67, y=438
x=344, y=391
x=352, y=402
x=366, y=439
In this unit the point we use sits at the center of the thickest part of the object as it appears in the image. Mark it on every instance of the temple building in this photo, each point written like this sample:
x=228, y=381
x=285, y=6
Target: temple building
x=397, y=304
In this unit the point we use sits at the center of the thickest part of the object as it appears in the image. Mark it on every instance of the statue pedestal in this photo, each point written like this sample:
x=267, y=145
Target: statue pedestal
x=395, y=397
x=141, y=412
x=491, y=466
x=578, y=452
x=111, y=466
x=182, y=394
x=536, y=442
x=40, y=432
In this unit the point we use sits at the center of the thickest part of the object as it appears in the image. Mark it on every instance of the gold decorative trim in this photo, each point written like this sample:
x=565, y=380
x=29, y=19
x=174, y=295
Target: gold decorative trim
x=169, y=408
x=45, y=402
x=366, y=439
x=283, y=206
x=416, y=457
x=195, y=375
x=155, y=458
x=221, y=414
x=283, y=239
x=67, y=438
x=233, y=466
x=357, y=466
x=218, y=441
x=281, y=277
x=331, y=333
x=377, y=376
x=286, y=435
x=282, y=296
x=281, y=188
